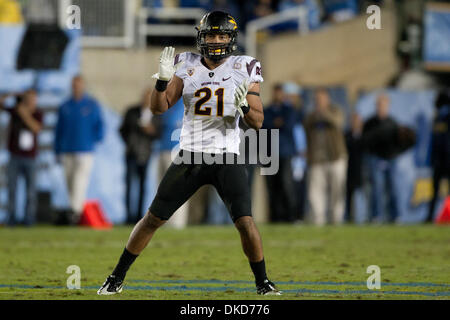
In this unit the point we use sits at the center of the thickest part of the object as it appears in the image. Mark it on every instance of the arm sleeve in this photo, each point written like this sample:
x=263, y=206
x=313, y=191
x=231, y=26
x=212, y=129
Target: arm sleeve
x=181, y=72
x=254, y=70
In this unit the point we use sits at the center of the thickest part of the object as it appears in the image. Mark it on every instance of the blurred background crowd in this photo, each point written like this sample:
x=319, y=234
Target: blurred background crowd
x=363, y=115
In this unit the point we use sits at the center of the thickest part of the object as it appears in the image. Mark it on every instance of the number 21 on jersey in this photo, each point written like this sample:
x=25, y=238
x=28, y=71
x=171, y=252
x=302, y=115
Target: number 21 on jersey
x=205, y=95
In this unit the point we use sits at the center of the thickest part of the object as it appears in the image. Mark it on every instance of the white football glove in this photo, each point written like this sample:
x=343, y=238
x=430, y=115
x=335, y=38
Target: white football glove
x=240, y=99
x=166, y=66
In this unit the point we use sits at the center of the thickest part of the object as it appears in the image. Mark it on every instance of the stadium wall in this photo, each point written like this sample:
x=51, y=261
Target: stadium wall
x=346, y=54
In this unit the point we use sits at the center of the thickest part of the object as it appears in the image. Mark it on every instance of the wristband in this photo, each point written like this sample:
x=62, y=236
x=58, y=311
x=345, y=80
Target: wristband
x=161, y=85
x=245, y=109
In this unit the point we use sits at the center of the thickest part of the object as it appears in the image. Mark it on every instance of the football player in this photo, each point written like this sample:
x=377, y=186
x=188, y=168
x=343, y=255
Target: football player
x=217, y=88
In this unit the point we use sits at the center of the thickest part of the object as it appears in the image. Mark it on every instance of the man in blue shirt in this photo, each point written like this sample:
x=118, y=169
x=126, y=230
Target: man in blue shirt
x=79, y=128
x=281, y=116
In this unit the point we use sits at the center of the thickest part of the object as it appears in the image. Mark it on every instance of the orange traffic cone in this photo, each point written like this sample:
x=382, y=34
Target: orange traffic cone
x=94, y=217
x=444, y=215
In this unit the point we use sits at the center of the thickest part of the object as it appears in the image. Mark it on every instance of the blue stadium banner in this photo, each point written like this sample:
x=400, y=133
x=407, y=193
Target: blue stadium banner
x=436, y=49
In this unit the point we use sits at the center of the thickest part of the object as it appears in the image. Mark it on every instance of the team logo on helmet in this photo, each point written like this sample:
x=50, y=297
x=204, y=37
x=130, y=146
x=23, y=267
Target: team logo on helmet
x=233, y=22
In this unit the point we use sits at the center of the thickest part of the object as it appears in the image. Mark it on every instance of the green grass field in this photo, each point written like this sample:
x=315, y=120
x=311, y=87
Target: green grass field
x=206, y=262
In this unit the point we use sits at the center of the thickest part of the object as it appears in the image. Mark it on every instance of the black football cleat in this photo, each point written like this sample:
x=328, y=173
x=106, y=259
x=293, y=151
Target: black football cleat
x=268, y=288
x=112, y=285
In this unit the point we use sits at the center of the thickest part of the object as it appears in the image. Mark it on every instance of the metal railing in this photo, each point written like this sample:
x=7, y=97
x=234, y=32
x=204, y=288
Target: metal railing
x=145, y=29
x=117, y=23
x=253, y=27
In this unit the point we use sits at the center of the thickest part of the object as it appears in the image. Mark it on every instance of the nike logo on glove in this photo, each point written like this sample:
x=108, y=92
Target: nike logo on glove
x=225, y=79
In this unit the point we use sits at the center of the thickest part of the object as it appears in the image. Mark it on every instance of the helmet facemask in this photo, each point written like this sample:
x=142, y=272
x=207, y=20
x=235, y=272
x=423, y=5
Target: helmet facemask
x=216, y=51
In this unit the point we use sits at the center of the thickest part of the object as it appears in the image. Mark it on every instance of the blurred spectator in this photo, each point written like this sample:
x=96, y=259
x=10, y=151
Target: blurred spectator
x=354, y=193
x=281, y=116
x=26, y=123
x=138, y=130
x=40, y=11
x=440, y=148
x=171, y=123
x=379, y=138
x=410, y=43
x=78, y=129
x=292, y=93
x=229, y=6
x=244, y=14
x=327, y=160
x=205, y=4
x=261, y=9
x=152, y=3
x=299, y=170
x=340, y=10
x=313, y=8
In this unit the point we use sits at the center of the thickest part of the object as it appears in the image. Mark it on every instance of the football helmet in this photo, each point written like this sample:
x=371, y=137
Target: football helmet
x=216, y=22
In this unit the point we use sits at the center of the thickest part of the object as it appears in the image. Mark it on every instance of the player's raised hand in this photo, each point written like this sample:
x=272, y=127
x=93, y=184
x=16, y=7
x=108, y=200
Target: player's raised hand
x=166, y=66
x=240, y=100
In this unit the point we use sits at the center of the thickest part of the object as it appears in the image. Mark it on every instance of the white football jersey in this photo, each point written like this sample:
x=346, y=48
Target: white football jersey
x=210, y=122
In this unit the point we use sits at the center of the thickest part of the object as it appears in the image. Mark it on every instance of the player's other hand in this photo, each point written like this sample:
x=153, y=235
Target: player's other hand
x=166, y=66
x=240, y=99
